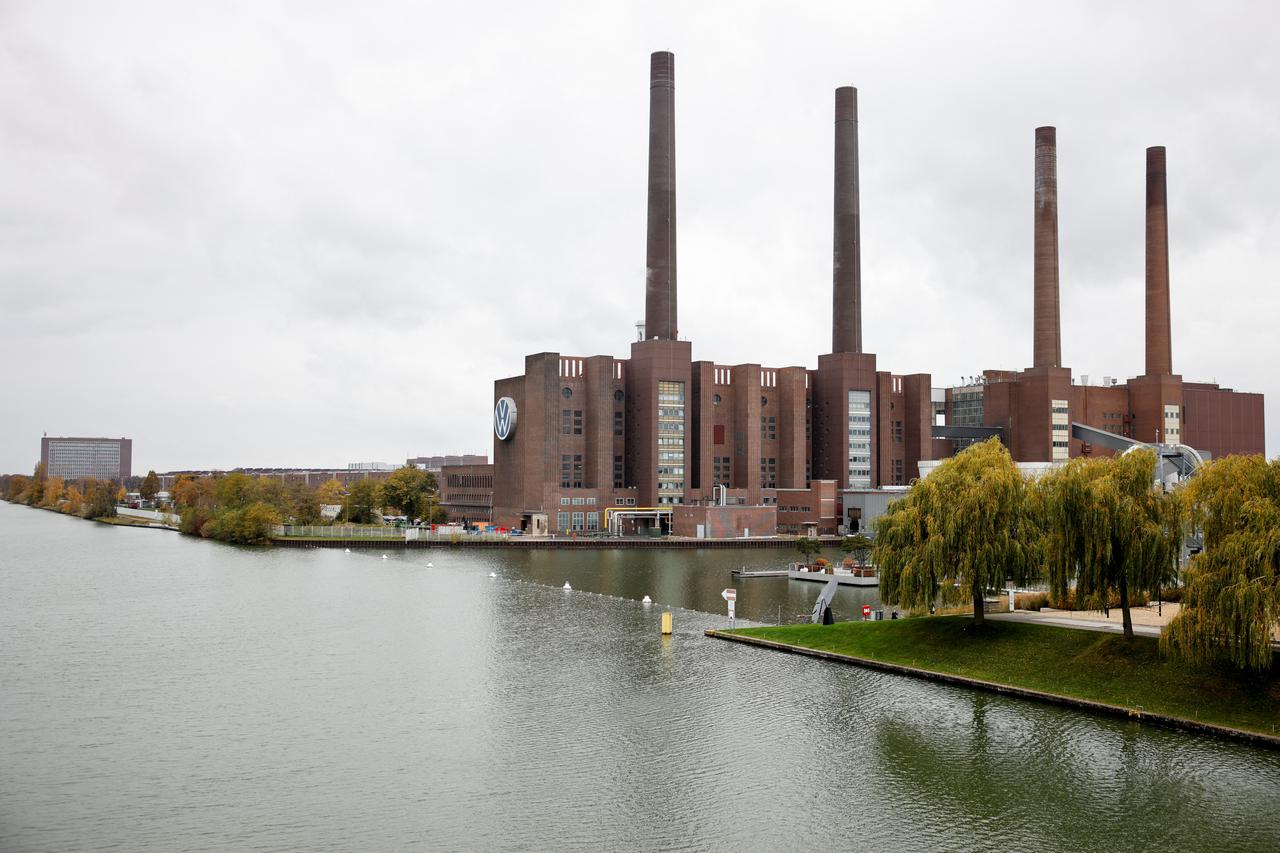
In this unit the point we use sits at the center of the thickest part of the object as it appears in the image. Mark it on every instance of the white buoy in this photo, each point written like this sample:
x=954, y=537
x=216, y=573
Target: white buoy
x=384, y=556
x=566, y=585
x=646, y=600
x=430, y=566
x=348, y=550
x=493, y=574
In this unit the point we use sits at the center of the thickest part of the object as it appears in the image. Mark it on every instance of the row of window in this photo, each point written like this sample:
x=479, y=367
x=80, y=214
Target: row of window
x=589, y=521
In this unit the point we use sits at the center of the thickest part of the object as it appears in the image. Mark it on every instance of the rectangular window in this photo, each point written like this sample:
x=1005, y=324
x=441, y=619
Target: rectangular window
x=859, y=447
x=671, y=412
x=562, y=521
x=578, y=522
x=593, y=521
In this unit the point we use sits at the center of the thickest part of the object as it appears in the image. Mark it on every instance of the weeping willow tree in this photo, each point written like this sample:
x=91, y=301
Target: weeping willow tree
x=1108, y=526
x=1231, y=604
x=958, y=533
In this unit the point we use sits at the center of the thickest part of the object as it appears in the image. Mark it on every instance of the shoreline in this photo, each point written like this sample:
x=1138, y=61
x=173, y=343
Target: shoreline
x=534, y=543
x=1140, y=715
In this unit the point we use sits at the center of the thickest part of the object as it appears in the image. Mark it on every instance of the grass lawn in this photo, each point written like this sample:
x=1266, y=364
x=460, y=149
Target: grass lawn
x=126, y=521
x=1083, y=664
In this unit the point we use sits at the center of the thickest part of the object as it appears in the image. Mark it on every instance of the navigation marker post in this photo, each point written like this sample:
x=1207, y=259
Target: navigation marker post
x=730, y=596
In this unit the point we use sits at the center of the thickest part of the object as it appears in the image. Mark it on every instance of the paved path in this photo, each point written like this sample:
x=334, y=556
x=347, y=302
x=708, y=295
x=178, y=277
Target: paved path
x=1112, y=627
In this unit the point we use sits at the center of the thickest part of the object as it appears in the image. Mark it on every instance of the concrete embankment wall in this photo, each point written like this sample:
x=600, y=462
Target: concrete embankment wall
x=1136, y=714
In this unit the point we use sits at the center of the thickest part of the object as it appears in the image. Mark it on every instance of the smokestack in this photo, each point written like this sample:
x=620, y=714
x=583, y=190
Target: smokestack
x=846, y=309
x=1159, y=347
x=660, y=250
x=1047, y=333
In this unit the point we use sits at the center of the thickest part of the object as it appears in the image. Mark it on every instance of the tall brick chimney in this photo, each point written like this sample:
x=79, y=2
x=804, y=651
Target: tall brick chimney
x=1159, y=347
x=1047, y=332
x=660, y=248
x=846, y=309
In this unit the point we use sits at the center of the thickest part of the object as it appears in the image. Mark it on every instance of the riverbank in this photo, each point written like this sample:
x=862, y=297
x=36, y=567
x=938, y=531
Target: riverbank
x=540, y=542
x=1097, y=672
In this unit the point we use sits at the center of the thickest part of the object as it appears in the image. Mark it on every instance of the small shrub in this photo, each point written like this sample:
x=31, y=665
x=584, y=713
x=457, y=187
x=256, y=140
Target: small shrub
x=1031, y=600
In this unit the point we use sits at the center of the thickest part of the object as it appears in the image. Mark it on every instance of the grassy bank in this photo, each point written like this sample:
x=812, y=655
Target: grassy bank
x=1081, y=664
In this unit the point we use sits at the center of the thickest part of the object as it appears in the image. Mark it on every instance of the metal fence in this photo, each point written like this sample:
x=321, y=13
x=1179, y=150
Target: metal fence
x=378, y=532
x=335, y=531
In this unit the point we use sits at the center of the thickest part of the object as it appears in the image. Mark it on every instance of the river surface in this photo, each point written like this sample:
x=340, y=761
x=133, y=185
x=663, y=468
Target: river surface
x=164, y=693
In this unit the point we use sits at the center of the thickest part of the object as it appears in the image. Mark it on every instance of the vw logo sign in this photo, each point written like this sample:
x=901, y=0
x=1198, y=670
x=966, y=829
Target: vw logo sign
x=504, y=418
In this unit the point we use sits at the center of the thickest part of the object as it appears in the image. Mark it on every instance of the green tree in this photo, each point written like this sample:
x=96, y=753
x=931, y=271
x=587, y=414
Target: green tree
x=363, y=501
x=75, y=502
x=35, y=492
x=957, y=533
x=54, y=489
x=18, y=486
x=1231, y=604
x=409, y=490
x=191, y=491
x=1107, y=525
x=234, y=491
x=304, y=504
x=808, y=546
x=858, y=546
x=331, y=492
x=150, y=486
x=244, y=526
x=99, y=499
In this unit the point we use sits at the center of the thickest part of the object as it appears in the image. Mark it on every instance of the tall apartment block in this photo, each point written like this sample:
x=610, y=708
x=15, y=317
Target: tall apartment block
x=76, y=458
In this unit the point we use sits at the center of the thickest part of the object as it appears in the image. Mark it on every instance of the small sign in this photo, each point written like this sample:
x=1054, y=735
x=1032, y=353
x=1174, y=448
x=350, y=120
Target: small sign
x=866, y=611
x=729, y=595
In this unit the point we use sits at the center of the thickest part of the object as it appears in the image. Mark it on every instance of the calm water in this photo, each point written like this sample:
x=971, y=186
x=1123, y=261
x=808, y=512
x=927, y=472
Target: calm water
x=162, y=693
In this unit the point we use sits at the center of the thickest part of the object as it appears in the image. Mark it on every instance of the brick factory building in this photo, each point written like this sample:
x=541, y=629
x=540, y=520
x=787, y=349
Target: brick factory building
x=1042, y=414
x=579, y=439
x=594, y=443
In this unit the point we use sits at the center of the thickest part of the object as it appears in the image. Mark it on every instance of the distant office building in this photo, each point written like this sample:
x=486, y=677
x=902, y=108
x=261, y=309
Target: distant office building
x=435, y=463
x=76, y=458
x=370, y=466
x=309, y=477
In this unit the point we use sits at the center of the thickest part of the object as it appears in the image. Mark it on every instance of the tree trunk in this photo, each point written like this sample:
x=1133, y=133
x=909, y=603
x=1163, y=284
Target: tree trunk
x=977, y=605
x=1124, y=607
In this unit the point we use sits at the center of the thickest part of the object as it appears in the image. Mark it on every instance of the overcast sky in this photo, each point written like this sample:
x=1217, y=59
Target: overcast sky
x=314, y=233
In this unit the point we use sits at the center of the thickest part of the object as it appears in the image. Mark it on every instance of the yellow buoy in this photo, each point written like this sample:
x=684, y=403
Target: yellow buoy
x=666, y=622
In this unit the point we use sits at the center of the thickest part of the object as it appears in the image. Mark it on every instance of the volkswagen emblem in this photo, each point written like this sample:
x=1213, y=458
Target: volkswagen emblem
x=504, y=418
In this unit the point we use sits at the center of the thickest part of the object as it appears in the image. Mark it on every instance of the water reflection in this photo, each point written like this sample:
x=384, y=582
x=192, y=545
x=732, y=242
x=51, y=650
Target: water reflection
x=692, y=579
x=165, y=693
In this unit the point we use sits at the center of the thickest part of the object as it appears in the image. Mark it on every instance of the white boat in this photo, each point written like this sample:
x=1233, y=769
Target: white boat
x=858, y=576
